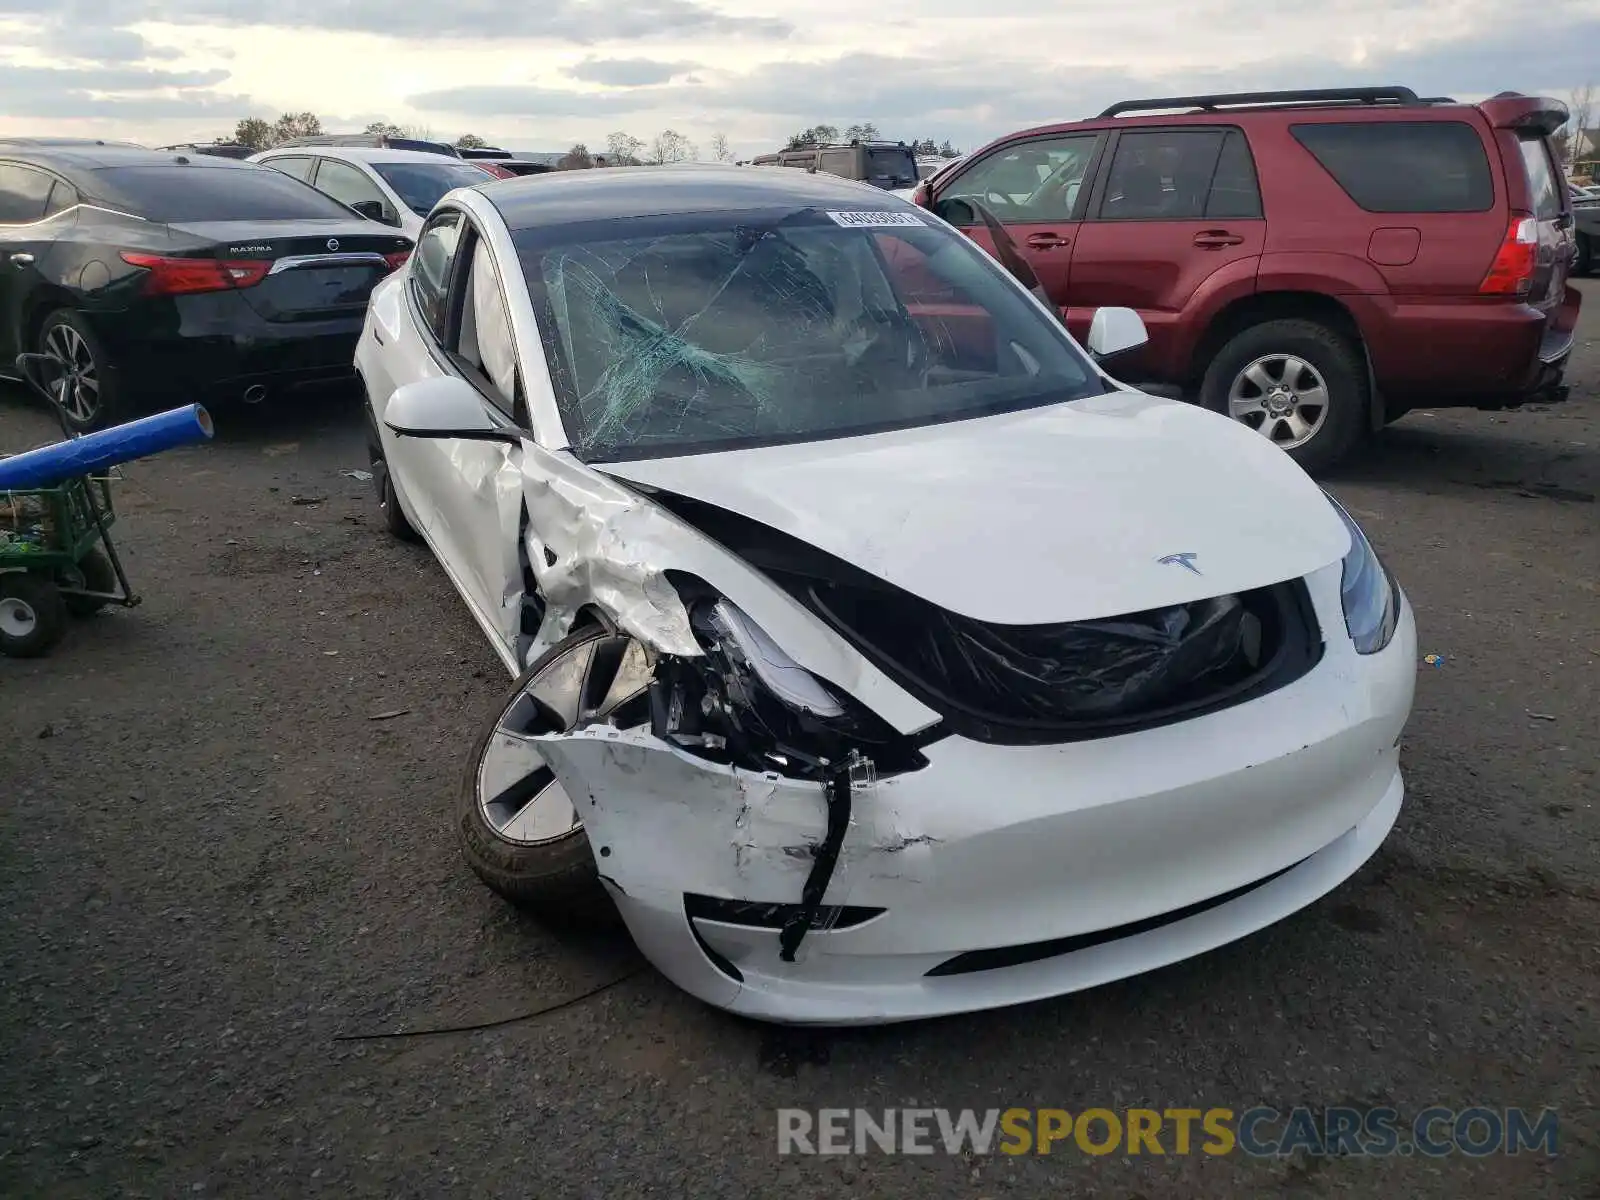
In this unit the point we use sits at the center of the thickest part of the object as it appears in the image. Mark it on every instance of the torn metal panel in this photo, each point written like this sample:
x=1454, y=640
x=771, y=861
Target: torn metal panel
x=657, y=817
x=594, y=541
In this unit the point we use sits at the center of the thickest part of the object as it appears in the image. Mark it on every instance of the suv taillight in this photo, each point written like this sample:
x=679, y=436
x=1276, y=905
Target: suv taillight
x=186, y=276
x=1511, y=274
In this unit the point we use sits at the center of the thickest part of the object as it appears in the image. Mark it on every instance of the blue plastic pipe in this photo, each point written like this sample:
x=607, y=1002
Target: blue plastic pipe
x=53, y=465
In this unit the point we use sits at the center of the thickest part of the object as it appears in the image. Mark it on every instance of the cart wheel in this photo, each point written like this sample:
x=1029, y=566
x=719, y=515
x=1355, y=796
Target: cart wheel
x=93, y=573
x=33, y=615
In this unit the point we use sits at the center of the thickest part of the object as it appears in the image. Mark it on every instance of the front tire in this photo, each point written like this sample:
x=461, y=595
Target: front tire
x=1298, y=383
x=519, y=831
x=88, y=393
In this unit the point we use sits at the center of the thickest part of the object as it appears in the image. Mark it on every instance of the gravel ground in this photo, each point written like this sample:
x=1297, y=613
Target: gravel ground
x=215, y=866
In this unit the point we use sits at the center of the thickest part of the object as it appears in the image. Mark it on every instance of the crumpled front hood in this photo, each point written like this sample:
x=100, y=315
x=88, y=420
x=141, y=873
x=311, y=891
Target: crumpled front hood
x=1055, y=514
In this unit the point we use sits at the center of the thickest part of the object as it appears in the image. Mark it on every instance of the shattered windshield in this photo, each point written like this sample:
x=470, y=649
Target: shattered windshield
x=702, y=332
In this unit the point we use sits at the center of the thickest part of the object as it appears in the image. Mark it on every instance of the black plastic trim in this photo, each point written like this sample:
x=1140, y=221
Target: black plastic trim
x=973, y=961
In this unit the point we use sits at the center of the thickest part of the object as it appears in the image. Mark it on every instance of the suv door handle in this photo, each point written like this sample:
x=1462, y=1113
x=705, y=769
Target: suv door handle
x=1216, y=239
x=1048, y=241
x=22, y=259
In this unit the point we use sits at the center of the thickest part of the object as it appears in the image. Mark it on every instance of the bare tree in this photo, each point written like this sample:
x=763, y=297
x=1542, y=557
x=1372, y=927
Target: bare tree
x=670, y=146
x=470, y=141
x=719, y=148
x=1580, y=111
x=418, y=132
x=576, y=159
x=383, y=129
x=623, y=149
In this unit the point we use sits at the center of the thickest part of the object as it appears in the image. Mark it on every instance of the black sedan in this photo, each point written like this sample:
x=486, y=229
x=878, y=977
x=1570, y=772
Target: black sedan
x=164, y=278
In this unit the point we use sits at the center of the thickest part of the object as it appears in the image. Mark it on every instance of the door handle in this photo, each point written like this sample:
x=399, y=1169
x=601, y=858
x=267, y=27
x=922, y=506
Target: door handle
x=1216, y=239
x=22, y=259
x=1048, y=241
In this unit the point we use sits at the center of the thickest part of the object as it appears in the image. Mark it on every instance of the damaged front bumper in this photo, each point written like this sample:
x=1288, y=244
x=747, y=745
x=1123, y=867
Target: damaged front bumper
x=996, y=874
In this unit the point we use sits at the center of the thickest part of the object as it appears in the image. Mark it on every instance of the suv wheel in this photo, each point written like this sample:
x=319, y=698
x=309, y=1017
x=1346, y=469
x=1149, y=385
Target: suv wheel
x=1299, y=384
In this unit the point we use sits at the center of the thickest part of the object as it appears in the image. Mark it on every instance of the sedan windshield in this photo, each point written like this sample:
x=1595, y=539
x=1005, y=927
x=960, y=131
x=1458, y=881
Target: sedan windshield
x=420, y=184
x=682, y=334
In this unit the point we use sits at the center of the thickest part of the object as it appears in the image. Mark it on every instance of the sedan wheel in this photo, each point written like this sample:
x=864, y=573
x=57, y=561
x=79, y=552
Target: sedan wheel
x=1281, y=397
x=83, y=389
x=520, y=832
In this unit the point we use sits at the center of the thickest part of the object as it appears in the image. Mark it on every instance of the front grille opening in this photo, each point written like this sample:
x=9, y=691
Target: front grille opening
x=1029, y=684
x=996, y=959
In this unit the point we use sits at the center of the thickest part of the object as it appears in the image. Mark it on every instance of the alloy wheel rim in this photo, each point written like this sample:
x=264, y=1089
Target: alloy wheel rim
x=78, y=389
x=17, y=618
x=1282, y=397
x=605, y=679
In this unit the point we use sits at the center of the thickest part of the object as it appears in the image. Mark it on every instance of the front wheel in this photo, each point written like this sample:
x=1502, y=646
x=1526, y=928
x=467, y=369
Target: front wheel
x=1298, y=383
x=519, y=831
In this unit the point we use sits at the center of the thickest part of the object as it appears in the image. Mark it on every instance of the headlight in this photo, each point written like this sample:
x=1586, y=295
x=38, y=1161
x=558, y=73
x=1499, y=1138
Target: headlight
x=1370, y=595
x=748, y=703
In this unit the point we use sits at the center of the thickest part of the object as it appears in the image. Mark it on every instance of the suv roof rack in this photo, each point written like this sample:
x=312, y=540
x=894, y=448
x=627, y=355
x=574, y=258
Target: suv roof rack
x=1370, y=95
x=883, y=142
x=372, y=141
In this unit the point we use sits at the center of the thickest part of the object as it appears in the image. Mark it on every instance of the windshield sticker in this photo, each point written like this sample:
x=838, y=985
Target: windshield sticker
x=875, y=220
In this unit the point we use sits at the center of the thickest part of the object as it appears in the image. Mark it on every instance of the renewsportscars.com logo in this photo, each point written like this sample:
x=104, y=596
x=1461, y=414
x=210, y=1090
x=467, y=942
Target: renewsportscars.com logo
x=1259, y=1132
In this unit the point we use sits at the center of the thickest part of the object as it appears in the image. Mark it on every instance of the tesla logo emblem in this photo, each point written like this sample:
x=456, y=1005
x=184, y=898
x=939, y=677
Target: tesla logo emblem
x=1184, y=560
x=333, y=243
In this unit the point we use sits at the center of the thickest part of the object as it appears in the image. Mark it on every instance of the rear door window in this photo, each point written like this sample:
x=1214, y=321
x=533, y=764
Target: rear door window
x=1543, y=186
x=216, y=193
x=1404, y=166
x=1162, y=174
x=297, y=165
x=1234, y=190
x=837, y=162
x=347, y=184
x=62, y=197
x=23, y=193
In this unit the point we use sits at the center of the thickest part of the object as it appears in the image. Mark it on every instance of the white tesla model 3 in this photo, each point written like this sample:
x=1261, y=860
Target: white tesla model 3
x=877, y=653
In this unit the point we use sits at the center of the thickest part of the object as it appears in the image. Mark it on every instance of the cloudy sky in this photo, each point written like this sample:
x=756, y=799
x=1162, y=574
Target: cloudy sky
x=542, y=74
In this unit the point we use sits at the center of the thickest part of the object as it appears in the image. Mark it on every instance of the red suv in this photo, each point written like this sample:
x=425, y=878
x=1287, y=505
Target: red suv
x=1313, y=263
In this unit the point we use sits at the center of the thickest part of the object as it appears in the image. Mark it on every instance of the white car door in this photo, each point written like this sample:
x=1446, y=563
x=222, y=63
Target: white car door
x=466, y=494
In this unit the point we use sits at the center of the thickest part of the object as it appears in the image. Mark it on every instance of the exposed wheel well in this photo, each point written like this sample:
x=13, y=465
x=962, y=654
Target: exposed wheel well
x=44, y=303
x=1268, y=306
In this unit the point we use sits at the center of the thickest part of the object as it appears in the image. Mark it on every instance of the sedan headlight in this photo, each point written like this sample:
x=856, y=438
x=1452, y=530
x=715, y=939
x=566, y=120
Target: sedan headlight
x=1370, y=595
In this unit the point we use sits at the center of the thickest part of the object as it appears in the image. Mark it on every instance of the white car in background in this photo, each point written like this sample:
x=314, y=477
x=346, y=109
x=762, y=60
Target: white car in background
x=877, y=652
x=396, y=187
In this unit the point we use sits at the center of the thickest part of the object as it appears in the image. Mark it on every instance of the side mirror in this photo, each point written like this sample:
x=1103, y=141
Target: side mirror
x=446, y=407
x=1115, y=331
x=922, y=196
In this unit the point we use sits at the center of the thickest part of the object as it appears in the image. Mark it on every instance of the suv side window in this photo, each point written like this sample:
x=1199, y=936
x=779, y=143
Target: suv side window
x=1162, y=175
x=297, y=165
x=1036, y=180
x=430, y=270
x=1234, y=189
x=485, y=345
x=1404, y=166
x=346, y=184
x=837, y=162
x=23, y=193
